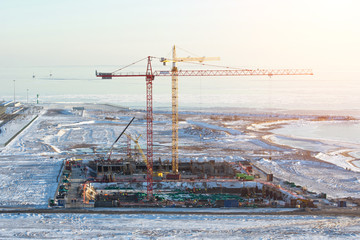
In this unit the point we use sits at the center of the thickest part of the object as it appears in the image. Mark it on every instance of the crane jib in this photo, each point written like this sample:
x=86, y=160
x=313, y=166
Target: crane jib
x=189, y=73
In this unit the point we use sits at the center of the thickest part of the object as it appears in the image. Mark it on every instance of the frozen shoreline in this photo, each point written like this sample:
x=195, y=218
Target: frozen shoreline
x=336, y=152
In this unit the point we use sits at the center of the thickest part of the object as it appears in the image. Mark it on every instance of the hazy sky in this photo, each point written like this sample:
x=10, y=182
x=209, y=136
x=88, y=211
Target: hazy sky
x=323, y=35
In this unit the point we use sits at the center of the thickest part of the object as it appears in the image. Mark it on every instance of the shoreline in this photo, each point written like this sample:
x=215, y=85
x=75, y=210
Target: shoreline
x=253, y=111
x=266, y=134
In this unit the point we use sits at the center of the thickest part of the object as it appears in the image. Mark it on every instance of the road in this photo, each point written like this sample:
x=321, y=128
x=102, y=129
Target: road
x=74, y=199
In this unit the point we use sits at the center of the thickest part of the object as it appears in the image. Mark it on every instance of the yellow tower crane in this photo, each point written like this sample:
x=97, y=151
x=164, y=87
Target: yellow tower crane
x=175, y=118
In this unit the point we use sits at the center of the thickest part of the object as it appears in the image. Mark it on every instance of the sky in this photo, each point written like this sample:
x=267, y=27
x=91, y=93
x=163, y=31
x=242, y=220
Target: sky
x=320, y=34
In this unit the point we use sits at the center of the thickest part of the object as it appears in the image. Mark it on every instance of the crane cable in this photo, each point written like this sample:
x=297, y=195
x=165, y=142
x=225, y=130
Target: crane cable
x=195, y=63
x=210, y=65
x=129, y=65
x=204, y=64
x=187, y=51
x=213, y=65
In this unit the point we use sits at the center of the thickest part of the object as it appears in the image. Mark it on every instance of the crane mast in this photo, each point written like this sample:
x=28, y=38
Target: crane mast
x=175, y=117
x=149, y=126
x=175, y=97
x=149, y=77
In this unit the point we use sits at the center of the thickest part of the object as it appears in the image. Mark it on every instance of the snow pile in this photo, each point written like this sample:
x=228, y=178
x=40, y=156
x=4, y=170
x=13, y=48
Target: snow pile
x=337, y=158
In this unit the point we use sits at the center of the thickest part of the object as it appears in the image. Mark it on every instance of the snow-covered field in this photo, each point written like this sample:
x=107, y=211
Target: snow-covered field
x=14, y=126
x=175, y=226
x=28, y=181
x=31, y=162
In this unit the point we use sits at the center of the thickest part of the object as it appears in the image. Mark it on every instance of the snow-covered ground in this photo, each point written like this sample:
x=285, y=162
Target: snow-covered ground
x=14, y=126
x=175, y=226
x=28, y=180
x=316, y=176
x=31, y=163
x=60, y=131
x=336, y=142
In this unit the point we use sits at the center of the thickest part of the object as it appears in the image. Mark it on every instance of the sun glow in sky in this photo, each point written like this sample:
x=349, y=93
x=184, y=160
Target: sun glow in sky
x=323, y=34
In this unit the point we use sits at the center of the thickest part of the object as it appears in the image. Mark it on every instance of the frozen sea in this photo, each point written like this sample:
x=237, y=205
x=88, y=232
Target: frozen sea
x=340, y=131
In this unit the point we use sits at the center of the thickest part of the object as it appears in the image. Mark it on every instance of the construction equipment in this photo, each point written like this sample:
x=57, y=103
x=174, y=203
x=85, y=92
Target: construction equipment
x=112, y=146
x=175, y=73
x=136, y=141
x=128, y=146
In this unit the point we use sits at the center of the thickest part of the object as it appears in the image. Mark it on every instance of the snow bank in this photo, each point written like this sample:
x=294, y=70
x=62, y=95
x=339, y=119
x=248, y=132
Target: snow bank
x=337, y=158
x=13, y=127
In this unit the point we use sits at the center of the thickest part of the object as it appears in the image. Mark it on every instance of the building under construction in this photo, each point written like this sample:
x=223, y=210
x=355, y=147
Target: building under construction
x=122, y=183
x=116, y=170
x=129, y=182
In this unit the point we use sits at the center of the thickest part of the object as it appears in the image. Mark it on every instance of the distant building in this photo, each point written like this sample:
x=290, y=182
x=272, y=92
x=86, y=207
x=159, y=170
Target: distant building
x=78, y=108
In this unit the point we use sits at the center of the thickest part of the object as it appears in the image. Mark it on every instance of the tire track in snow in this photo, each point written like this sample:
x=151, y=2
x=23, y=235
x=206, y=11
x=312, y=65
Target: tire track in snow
x=65, y=137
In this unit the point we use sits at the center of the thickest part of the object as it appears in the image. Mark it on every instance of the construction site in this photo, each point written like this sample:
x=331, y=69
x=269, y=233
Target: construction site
x=137, y=179
x=104, y=155
x=122, y=183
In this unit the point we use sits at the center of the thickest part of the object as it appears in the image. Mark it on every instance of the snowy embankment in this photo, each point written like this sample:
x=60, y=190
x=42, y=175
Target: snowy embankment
x=332, y=141
x=326, y=151
x=176, y=226
x=14, y=127
x=315, y=176
x=337, y=158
